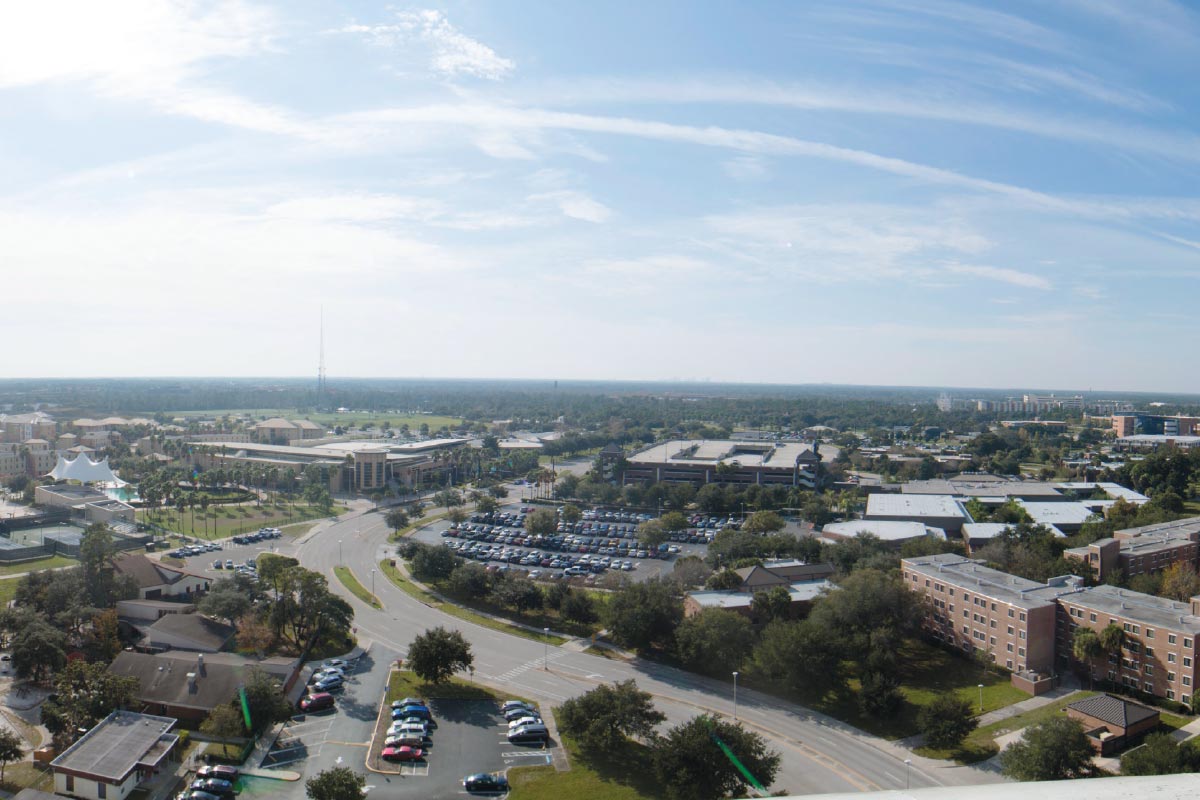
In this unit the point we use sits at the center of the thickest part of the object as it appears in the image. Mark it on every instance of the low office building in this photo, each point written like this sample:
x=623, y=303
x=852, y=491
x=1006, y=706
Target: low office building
x=85, y=504
x=802, y=594
x=155, y=580
x=781, y=572
x=122, y=753
x=700, y=462
x=1133, y=551
x=1068, y=517
x=194, y=632
x=973, y=607
x=1113, y=723
x=281, y=431
x=1159, y=653
x=980, y=534
x=933, y=510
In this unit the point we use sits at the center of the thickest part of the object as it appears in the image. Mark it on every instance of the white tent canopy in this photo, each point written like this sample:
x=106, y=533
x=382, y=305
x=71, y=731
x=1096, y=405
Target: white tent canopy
x=84, y=470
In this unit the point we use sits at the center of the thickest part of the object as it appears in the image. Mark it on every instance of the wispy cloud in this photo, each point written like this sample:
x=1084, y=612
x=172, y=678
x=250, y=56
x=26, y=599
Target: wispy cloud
x=451, y=53
x=576, y=205
x=1013, y=277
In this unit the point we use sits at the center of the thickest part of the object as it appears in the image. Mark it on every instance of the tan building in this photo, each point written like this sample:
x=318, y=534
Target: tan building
x=19, y=427
x=973, y=607
x=281, y=431
x=725, y=461
x=1133, y=551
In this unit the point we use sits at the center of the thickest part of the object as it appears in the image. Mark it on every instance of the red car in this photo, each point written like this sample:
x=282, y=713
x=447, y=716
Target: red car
x=404, y=753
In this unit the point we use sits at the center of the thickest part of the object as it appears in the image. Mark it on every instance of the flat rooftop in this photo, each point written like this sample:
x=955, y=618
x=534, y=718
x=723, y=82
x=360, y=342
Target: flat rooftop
x=990, y=530
x=800, y=591
x=115, y=746
x=887, y=530
x=913, y=505
x=1147, y=609
x=1058, y=513
x=701, y=452
x=975, y=577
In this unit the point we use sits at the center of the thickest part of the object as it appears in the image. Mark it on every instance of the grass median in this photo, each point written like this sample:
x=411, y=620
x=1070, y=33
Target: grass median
x=622, y=774
x=467, y=615
x=346, y=576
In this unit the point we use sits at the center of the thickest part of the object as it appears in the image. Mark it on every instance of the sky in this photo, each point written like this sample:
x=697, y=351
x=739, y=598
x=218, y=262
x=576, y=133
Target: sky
x=894, y=192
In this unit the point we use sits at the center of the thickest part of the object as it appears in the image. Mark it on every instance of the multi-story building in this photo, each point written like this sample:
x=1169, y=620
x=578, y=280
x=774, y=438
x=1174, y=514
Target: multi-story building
x=1150, y=548
x=281, y=431
x=724, y=461
x=1159, y=653
x=20, y=427
x=973, y=607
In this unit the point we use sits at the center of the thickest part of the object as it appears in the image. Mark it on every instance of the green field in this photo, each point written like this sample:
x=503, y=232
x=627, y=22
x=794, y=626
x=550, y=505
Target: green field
x=50, y=562
x=225, y=521
x=404, y=683
x=981, y=745
x=624, y=774
x=330, y=419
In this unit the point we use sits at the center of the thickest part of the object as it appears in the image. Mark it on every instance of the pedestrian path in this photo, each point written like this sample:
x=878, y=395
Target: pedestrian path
x=1046, y=699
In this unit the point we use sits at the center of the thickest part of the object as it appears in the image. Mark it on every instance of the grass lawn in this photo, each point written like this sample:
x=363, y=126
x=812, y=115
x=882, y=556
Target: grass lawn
x=299, y=529
x=405, y=683
x=624, y=774
x=27, y=775
x=8, y=591
x=346, y=576
x=466, y=614
x=50, y=562
x=925, y=672
x=225, y=521
x=980, y=745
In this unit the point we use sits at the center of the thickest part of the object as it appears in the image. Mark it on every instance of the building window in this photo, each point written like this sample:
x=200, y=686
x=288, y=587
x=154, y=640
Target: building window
x=1021, y=651
x=1009, y=647
x=101, y=790
x=1022, y=616
x=1149, y=633
x=992, y=640
x=1170, y=694
x=1021, y=635
x=965, y=613
x=1187, y=680
x=1148, y=669
x=1187, y=643
x=1008, y=663
x=1149, y=652
x=1185, y=699
x=1171, y=676
x=1170, y=658
x=1170, y=638
x=70, y=783
x=1134, y=647
x=1187, y=661
x=1149, y=686
x=1092, y=617
x=1010, y=612
x=1010, y=630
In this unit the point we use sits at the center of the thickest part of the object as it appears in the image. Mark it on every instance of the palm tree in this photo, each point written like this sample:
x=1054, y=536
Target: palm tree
x=1086, y=648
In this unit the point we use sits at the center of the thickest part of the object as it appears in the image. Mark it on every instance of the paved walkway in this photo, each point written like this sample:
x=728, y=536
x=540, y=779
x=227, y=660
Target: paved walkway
x=1027, y=705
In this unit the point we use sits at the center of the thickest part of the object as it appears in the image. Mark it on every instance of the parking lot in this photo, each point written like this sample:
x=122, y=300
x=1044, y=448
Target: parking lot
x=600, y=543
x=471, y=736
x=233, y=557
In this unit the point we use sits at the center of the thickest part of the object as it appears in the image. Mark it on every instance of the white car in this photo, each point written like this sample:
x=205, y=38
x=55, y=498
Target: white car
x=522, y=721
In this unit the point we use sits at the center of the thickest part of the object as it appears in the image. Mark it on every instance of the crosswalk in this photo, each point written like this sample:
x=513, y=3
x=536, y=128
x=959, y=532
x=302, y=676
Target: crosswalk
x=528, y=665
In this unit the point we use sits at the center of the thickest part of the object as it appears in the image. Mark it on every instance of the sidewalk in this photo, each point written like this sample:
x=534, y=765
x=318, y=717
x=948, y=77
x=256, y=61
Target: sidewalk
x=1027, y=705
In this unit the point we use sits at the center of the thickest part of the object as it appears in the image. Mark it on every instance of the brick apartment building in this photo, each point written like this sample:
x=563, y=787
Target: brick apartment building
x=1029, y=627
x=1133, y=551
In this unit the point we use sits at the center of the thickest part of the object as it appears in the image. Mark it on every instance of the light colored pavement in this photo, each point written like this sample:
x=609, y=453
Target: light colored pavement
x=820, y=754
x=1027, y=705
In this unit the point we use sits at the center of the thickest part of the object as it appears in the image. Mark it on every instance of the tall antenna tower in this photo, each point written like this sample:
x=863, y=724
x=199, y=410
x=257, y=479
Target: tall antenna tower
x=321, y=366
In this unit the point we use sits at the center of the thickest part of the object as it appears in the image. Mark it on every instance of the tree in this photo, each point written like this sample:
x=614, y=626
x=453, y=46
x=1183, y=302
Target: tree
x=725, y=580
x=643, y=614
x=870, y=613
x=38, y=649
x=225, y=600
x=946, y=721
x=1180, y=582
x=715, y=641
x=470, y=580
x=764, y=522
x=579, y=607
x=486, y=504
x=96, y=550
x=690, y=764
x=1158, y=755
x=266, y=700
x=879, y=695
x=542, y=522
x=83, y=695
x=571, y=512
x=433, y=562
x=1053, y=750
x=254, y=634
x=604, y=717
x=519, y=593
x=438, y=653
x=804, y=656
x=396, y=518
x=1112, y=638
x=12, y=748
x=337, y=783
x=224, y=721
x=651, y=533
x=1086, y=647
x=674, y=521
x=772, y=604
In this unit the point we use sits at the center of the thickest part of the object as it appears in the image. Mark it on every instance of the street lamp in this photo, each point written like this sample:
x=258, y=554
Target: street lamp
x=339, y=551
x=545, y=648
x=981, y=698
x=373, y=582
x=907, y=766
x=735, y=695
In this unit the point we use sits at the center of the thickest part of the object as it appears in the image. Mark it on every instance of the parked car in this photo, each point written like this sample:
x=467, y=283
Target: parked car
x=416, y=711
x=198, y=795
x=225, y=773
x=402, y=753
x=509, y=705
x=335, y=662
x=485, y=782
x=408, y=740
x=215, y=786
x=409, y=701
x=330, y=682
x=529, y=734
x=229, y=563
x=519, y=711
x=521, y=722
x=317, y=701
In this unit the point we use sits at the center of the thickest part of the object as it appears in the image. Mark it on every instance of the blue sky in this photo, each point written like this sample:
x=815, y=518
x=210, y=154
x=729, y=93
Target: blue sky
x=851, y=191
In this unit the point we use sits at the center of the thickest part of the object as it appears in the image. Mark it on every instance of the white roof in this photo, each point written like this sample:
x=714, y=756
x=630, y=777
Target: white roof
x=713, y=451
x=916, y=506
x=887, y=530
x=799, y=592
x=84, y=470
x=1058, y=513
x=989, y=530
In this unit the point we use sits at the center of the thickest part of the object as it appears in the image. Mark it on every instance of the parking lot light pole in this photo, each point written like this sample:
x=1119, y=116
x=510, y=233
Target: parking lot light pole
x=735, y=695
x=339, y=552
x=373, y=582
x=981, y=698
x=907, y=767
x=546, y=649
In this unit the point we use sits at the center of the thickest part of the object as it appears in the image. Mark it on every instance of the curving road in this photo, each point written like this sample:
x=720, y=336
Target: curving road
x=819, y=754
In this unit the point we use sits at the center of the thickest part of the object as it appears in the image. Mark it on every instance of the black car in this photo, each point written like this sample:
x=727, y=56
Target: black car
x=485, y=782
x=217, y=786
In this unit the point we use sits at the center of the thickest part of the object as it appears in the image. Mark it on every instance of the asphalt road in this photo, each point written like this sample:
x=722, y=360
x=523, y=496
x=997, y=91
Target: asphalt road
x=819, y=754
